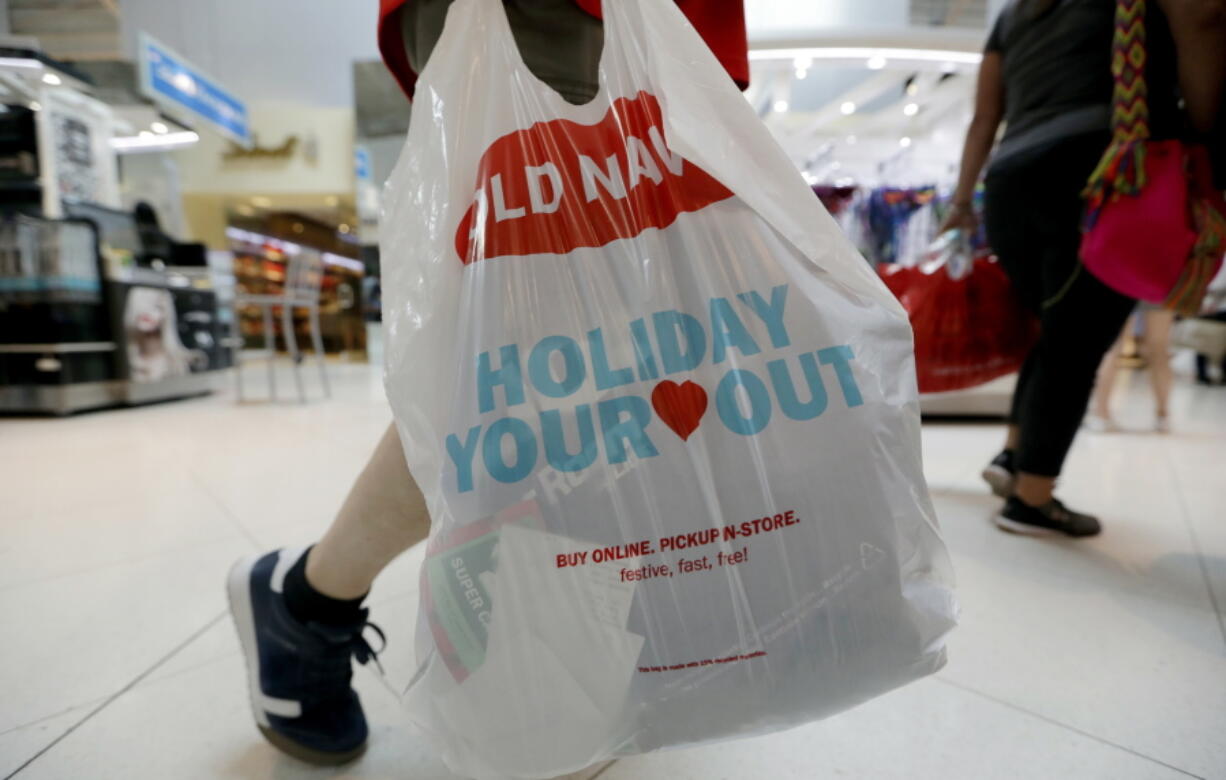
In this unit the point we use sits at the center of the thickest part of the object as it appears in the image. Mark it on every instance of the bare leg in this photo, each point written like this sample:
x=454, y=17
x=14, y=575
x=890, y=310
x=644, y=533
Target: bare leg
x=384, y=515
x=1157, y=351
x=1013, y=436
x=1104, y=383
x=1033, y=489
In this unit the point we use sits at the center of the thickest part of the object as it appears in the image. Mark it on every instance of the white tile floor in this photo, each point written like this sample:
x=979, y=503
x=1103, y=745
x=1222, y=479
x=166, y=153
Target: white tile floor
x=1102, y=658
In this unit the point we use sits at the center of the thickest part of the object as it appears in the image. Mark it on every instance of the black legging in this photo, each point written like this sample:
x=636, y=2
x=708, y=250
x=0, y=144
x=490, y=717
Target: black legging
x=1034, y=210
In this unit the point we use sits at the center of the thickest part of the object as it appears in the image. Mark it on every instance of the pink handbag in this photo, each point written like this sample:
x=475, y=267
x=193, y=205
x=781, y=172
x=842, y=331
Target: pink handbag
x=1155, y=229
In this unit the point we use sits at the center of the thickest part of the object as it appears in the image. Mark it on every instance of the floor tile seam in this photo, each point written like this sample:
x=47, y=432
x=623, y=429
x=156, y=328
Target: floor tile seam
x=228, y=534
x=44, y=718
x=1196, y=546
x=210, y=661
x=1065, y=726
x=230, y=515
x=109, y=700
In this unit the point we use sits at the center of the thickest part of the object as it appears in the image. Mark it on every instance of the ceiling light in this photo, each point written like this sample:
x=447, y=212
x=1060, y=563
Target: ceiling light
x=802, y=63
x=160, y=127
x=911, y=109
x=21, y=62
x=913, y=88
x=148, y=142
x=332, y=200
x=801, y=73
x=848, y=108
x=52, y=79
x=343, y=227
x=949, y=67
x=876, y=63
x=261, y=202
x=781, y=106
x=951, y=58
x=904, y=142
x=184, y=83
x=35, y=105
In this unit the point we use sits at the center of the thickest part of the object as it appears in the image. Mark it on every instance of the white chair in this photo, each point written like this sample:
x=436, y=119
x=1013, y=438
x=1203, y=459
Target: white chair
x=303, y=277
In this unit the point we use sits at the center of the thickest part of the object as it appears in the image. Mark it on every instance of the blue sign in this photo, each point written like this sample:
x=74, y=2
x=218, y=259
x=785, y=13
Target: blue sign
x=167, y=78
x=361, y=164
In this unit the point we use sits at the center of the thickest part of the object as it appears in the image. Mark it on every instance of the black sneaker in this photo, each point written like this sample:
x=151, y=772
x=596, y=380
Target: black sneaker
x=299, y=674
x=1001, y=473
x=1051, y=518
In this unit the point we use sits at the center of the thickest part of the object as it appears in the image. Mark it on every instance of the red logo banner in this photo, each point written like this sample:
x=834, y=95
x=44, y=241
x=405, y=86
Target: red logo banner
x=560, y=185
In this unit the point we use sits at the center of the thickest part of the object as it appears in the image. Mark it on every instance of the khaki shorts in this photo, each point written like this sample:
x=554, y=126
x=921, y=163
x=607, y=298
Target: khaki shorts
x=559, y=42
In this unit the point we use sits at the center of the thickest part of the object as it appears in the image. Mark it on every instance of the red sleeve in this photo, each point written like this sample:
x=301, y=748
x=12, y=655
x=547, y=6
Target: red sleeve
x=391, y=45
x=721, y=26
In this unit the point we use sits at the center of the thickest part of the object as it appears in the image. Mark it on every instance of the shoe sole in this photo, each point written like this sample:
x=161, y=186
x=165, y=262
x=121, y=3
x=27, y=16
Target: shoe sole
x=999, y=479
x=1022, y=529
x=238, y=591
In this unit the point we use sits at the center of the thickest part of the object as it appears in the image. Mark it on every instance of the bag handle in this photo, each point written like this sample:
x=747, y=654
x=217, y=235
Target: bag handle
x=1130, y=98
x=1122, y=168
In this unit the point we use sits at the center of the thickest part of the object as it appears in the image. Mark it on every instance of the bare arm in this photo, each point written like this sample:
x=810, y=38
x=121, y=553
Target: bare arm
x=980, y=136
x=1199, y=30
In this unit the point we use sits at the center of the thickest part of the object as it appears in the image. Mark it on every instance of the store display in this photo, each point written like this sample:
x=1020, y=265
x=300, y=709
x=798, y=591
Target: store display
x=260, y=263
x=1203, y=335
x=642, y=380
x=969, y=326
x=84, y=324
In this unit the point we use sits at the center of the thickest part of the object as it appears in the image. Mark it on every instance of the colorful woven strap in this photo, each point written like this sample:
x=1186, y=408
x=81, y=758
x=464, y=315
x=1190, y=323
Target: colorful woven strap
x=1130, y=104
x=1122, y=168
x=1203, y=264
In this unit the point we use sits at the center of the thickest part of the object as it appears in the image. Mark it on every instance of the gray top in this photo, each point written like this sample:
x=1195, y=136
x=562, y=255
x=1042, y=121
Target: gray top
x=1057, y=71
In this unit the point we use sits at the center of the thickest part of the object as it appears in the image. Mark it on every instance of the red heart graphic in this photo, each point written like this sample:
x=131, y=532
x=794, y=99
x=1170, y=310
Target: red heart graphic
x=681, y=407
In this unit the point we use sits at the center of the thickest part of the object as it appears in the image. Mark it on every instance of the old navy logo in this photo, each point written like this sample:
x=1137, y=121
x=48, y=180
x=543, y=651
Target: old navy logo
x=669, y=342
x=560, y=185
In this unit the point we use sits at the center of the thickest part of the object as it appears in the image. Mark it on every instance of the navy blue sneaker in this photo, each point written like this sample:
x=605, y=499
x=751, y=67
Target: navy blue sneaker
x=299, y=674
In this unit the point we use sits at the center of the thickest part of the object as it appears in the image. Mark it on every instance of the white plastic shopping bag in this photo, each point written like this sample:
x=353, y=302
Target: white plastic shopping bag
x=664, y=416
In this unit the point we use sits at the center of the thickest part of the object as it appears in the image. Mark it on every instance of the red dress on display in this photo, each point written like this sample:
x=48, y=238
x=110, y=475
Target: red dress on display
x=721, y=23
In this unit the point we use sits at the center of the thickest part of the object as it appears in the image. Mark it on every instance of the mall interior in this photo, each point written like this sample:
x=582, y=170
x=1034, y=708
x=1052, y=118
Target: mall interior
x=192, y=344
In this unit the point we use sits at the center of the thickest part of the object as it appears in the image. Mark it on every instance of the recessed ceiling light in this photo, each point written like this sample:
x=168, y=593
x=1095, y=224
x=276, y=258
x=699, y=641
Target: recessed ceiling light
x=911, y=109
x=848, y=108
x=160, y=127
x=781, y=106
x=876, y=63
x=332, y=200
x=52, y=79
x=343, y=227
x=904, y=142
